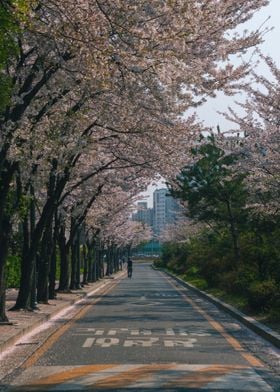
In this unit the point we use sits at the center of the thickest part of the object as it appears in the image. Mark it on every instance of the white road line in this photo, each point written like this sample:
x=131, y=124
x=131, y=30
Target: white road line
x=188, y=343
x=140, y=343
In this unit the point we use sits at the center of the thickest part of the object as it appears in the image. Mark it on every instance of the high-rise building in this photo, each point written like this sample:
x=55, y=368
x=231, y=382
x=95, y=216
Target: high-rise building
x=166, y=210
x=159, y=201
x=143, y=214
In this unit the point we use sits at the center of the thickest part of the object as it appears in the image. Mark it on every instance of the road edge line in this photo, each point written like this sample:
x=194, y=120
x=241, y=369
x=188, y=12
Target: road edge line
x=257, y=327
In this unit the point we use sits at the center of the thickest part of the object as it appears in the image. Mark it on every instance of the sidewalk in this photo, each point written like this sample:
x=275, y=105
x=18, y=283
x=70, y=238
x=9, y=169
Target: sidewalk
x=23, y=322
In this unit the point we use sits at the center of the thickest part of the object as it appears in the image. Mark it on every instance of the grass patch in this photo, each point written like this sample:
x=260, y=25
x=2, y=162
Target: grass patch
x=270, y=318
x=197, y=282
x=237, y=301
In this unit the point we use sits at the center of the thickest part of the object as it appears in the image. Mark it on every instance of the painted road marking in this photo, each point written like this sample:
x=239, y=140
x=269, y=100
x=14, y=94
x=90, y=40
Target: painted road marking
x=188, y=343
x=137, y=332
x=58, y=333
x=218, y=327
x=148, y=342
x=125, y=337
x=154, y=376
x=141, y=332
x=140, y=343
x=170, y=332
x=165, y=295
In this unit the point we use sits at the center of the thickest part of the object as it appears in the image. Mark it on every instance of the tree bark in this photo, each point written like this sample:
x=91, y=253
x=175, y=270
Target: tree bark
x=7, y=174
x=64, y=260
x=4, y=237
x=52, y=275
x=85, y=265
x=44, y=266
x=234, y=235
x=78, y=257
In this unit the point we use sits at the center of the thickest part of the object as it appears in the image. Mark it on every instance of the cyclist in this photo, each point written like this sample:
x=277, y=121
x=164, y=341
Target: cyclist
x=129, y=268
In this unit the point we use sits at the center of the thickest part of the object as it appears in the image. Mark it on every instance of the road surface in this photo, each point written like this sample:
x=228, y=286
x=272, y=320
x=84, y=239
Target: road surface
x=146, y=334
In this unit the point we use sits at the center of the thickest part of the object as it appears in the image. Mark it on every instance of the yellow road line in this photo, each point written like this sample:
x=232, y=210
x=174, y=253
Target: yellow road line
x=71, y=374
x=58, y=333
x=218, y=327
x=202, y=377
x=111, y=376
x=126, y=378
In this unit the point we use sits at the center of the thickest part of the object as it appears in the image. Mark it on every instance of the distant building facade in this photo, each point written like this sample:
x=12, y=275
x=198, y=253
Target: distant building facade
x=143, y=214
x=165, y=211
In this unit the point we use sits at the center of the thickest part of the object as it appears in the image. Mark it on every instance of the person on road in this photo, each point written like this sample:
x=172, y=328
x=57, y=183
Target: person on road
x=129, y=268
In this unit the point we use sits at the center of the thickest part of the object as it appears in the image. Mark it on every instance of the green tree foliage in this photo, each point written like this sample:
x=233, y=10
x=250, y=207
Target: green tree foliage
x=214, y=190
x=13, y=271
x=12, y=13
x=239, y=252
x=205, y=261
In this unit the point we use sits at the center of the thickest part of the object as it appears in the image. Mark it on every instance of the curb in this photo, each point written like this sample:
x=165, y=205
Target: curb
x=5, y=345
x=259, y=328
x=13, y=339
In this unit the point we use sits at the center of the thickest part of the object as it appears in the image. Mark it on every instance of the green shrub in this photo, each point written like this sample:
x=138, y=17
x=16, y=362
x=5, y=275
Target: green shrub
x=193, y=271
x=174, y=257
x=213, y=272
x=158, y=263
x=228, y=282
x=239, y=281
x=13, y=271
x=197, y=282
x=274, y=313
x=261, y=295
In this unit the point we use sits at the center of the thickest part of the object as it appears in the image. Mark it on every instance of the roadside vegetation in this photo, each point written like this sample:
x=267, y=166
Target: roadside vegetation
x=231, y=246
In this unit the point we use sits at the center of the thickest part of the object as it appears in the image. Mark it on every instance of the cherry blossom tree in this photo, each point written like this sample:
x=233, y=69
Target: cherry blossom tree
x=108, y=80
x=258, y=127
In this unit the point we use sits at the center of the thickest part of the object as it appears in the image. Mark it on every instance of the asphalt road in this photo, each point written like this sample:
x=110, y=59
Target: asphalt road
x=149, y=333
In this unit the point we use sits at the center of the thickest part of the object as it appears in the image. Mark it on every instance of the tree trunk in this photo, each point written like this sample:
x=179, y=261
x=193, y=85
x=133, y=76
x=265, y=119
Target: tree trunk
x=92, y=260
x=85, y=265
x=33, y=300
x=44, y=266
x=64, y=261
x=100, y=263
x=4, y=235
x=73, y=265
x=27, y=291
x=55, y=190
x=26, y=282
x=7, y=173
x=52, y=275
x=78, y=261
x=234, y=235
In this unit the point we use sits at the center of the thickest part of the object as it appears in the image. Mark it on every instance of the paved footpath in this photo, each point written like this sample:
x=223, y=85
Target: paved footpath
x=22, y=322
x=146, y=334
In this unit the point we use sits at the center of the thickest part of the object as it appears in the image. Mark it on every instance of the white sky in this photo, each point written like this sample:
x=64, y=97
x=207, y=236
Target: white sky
x=271, y=46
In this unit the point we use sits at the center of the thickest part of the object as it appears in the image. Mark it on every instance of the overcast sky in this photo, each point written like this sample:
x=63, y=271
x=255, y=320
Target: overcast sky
x=271, y=46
